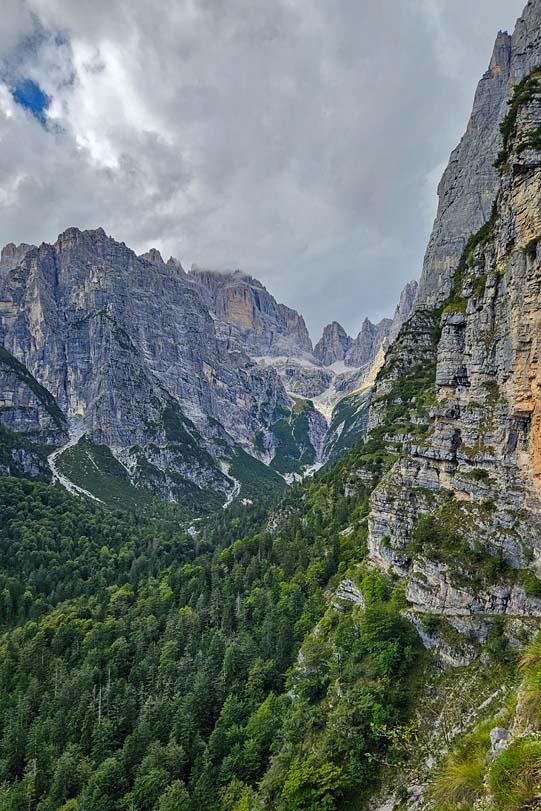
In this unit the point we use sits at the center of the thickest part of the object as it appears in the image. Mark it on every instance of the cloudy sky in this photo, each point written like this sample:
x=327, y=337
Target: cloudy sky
x=300, y=140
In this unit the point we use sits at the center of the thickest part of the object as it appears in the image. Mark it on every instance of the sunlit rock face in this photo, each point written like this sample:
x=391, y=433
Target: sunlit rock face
x=256, y=321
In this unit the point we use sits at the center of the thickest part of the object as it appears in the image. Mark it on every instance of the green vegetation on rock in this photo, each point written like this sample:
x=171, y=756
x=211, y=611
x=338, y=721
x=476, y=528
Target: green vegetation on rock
x=348, y=424
x=94, y=468
x=507, y=778
x=13, y=444
x=456, y=301
x=256, y=479
x=525, y=91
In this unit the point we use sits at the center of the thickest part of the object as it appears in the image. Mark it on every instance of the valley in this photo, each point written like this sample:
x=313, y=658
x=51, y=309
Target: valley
x=240, y=571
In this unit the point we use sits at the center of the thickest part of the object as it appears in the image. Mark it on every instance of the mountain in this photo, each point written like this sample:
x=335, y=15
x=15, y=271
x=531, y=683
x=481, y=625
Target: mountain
x=131, y=357
x=404, y=308
x=369, y=637
x=477, y=442
x=449, y=477
x=340, y=366
x=30, y=421
x=336, y=346
x=251, y=315
x=12, y=254
x=183, y=385
x=456, y=515
x=482, y=442
x=371, y=338
x=468, y=186
x=249, y=318
x=333, y=345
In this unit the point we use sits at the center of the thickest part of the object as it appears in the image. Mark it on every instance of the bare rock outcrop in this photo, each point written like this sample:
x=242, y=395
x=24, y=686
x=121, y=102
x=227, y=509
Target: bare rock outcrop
x=333, y=344
x=250, y=315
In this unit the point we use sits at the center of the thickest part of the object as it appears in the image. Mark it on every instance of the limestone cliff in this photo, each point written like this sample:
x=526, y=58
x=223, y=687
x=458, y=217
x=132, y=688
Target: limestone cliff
x=371, y=338
x=333, y=344
x=459, y=515
x=250, y=316
x=404, y=309
x=12, y=254
x=31, y=424
x=127, y=349
x=336, y=345
x=467, y=189
x=469, y=184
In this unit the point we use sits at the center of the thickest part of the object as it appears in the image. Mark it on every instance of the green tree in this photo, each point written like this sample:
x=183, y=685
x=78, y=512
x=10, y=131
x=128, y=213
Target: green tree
x=175, y=798
x=312, y=785
x=105, y=788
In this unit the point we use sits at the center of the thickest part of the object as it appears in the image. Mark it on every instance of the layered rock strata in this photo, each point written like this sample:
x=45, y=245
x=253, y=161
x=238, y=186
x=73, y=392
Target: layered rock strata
x=459, y=515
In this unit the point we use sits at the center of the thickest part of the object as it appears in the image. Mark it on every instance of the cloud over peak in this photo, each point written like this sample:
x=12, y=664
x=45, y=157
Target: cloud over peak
x=300, y=142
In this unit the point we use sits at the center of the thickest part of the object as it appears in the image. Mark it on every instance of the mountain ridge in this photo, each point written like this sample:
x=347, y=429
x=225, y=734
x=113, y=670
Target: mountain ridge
x=176, y=374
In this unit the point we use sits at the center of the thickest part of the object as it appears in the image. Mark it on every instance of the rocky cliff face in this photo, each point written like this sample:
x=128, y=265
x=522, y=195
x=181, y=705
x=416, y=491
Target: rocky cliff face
x=127, y=348
x=333, y=345
x=25, y=406
x=247, y=319
x=343, y=371
x=459, y=515
x=469, y=184
x=250, y=317
x=371, y=338
x=176, y=375
x=31, y=424
x=452, y=458
x=12, y=254
x=404, y=309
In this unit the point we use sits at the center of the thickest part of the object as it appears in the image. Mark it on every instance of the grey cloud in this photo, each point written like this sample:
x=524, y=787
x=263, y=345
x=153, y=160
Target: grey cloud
x=296, y=141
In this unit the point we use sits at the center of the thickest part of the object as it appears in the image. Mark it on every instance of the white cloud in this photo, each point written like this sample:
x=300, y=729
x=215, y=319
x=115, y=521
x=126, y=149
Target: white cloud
x=296, y=140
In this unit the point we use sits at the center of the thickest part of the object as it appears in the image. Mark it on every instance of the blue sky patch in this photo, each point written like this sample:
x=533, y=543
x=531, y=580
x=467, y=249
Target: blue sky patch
x=29, y=95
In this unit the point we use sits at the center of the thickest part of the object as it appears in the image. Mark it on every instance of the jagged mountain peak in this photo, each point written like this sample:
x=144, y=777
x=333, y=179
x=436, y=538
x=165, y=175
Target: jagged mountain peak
x=13, y=254
x=468, y=187
x=153, y=256
x=404, y=308
x=333, y=344
x=334, y=328
x=175, y=263
x=368, y=343
x=74, y=234
x=409, y=291
x=367, y=324
x=129, y=352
